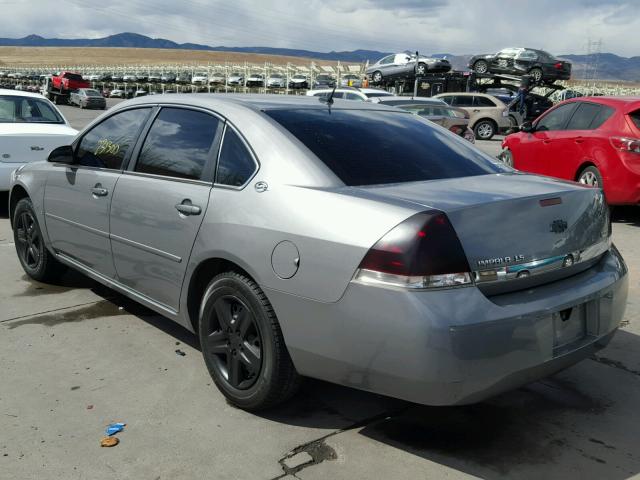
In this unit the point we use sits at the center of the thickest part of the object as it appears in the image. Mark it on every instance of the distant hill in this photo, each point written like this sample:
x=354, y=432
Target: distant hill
x=135, y=40
x=610, y=66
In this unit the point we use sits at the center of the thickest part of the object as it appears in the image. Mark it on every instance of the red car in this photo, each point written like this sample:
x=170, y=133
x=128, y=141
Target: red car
x=593, y=140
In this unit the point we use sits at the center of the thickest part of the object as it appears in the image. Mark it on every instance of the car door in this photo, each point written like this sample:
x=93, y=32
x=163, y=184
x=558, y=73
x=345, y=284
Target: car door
x=537, y=150
x=578, y=142
x=386, y=65
x=78, y=197
x=160, y=201
x=402, y=65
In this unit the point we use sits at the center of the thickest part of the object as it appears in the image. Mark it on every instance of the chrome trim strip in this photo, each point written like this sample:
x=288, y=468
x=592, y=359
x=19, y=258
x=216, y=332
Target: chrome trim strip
x=111, y=283
x=166, y=177
x=146, y=248
x=540, y=265
x=79, y=225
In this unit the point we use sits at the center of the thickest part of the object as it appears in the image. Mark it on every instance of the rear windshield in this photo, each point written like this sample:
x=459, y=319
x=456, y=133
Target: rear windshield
x=73, y=76
x=366, y=147
x=635, y=118
x=92, y=93
x=17, y=109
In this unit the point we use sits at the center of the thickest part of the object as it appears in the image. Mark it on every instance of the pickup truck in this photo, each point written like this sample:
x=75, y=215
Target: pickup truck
x=69, y=81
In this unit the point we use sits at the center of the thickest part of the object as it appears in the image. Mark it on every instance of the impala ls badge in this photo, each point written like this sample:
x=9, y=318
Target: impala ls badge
x=37, y=148
x=490, y=262
x=558, y=226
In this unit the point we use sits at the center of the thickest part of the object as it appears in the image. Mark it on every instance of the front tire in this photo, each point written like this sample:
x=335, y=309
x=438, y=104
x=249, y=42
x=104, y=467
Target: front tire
x=422, y=69
x=481, y=66
x=484, y=129
x=507, y=157
x=242, y=344
x=536, y=74
x=376, y=77
x=35, y=258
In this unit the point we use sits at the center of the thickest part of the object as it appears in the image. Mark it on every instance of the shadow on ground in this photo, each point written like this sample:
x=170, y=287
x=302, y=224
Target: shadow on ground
x=629, y=214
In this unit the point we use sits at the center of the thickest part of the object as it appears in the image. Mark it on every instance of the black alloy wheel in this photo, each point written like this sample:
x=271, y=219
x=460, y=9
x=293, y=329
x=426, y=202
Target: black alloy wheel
x=536, y=74
x=28, y=239
x=242, y=344
x=235, y=342
x=422, y=69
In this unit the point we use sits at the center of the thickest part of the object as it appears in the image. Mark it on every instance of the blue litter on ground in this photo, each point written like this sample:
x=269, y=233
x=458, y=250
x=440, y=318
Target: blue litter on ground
x=114, y=428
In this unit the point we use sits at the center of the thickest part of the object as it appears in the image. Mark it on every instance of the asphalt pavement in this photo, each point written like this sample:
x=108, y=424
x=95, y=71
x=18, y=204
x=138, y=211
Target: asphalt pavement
x=77, y=356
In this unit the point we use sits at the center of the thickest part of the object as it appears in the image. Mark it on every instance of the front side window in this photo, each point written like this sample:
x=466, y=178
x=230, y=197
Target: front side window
x=107, y=144
x=392, y=147
x=353, y=96
x=235, y=165
x=387, y=60
x=178, y=144
x=18, y=109
x=463, y=101
x=556, y=119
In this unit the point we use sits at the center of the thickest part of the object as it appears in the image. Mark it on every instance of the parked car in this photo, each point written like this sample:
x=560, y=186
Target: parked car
x=30, y=127
x=117, y=93
x=183, y=78
x=404, y=65
x=116, y=77
x=129, y=77
x=154, y=77
x=276, y=80
x=535, y=105
x=453, y=119
x=255, y=80
x=324, y=81
x=541, y=65
x=200, y=78
x=217, y=78
x=592, y=140
x=359, y=219
x=487, y=114
x=236, y=79
x=87, y=98
x=350, y=93
x=299, y=81
x=168, y=77
x=142, y=77
x=351, y=80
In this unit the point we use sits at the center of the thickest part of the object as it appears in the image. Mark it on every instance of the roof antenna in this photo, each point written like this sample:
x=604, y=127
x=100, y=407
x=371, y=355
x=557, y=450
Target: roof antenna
x=329, y=100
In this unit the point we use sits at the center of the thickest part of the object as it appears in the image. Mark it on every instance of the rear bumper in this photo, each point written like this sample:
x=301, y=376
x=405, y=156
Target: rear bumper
x=454, y=346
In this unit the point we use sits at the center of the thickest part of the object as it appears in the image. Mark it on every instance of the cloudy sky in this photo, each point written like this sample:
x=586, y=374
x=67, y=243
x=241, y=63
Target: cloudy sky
x=431, y=26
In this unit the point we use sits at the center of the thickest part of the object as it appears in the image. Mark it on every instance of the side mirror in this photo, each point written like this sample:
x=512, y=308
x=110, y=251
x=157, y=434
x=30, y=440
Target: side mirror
x=62, y=154
x=527, y=127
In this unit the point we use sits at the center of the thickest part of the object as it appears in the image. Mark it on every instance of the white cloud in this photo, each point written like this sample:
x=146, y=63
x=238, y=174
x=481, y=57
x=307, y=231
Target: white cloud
x=452, y=26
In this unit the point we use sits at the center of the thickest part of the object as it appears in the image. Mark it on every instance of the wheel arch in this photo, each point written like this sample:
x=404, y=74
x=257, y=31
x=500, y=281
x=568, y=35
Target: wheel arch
x=202, y=275
x=18, y=192
x=584, y=164
x=482, y=119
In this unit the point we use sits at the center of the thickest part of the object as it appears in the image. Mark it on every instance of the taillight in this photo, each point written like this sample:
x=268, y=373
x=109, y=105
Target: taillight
x=456, y=129
x=558, y=66
x=626, y=144
x=421, y=252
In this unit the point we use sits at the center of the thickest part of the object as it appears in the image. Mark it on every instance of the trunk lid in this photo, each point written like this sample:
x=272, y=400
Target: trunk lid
x=513, y=219
x=23, y=142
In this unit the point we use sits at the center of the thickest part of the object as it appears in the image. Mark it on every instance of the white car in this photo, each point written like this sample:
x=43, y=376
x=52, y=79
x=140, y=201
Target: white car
x=117, y=93
x=200, y=78
x=349, y=93
x=30, y=127
x=236, y=78
x=276, y=80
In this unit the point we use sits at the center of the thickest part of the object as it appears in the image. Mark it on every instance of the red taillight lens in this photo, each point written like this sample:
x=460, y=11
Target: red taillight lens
x=456, y=129
x=422, y=252
x=626, y=144
x=558, y=66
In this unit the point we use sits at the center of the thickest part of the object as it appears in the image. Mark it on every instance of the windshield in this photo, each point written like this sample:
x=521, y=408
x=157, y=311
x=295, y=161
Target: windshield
x=276, y=75
x=73, y=76
x=391, y=148
x=16, y=109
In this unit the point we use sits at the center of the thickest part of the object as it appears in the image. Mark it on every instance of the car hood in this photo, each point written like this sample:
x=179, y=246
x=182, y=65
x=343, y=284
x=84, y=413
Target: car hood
x=26, y=129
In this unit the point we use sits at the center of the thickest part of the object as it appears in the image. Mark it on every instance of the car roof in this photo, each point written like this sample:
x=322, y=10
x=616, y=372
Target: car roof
x=412, y=100
x=255, y=102
x=626, y=104
x=19, y=93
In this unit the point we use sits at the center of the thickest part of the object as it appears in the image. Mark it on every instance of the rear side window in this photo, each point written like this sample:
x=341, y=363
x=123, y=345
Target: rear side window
x=236, y=165
x=353, y=96
x=589, y=116
x=483, y=102
x=178, y=144
x=106, y=145
x=635, y=118
x=391, y=148
x=463, y=101
x=448, y=100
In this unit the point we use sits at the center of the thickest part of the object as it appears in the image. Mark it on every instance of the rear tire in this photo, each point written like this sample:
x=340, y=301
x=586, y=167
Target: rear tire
x=36, y=260
x=484, y=129
x=507, y=157
x=376, y=77
x=536, y=74
x=422, y=69
x=591, y=176
x=242, y=344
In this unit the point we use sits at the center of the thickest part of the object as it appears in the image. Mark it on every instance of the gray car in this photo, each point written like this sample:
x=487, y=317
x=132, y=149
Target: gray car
x=404, y=65
x=406, y=263
x=88, y=98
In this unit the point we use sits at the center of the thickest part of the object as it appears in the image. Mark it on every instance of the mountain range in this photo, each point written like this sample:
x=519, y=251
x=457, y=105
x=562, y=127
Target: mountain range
x=609, y=65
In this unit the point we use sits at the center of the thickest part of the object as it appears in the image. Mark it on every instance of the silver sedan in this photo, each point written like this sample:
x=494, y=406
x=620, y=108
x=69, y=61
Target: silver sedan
x=350, y=242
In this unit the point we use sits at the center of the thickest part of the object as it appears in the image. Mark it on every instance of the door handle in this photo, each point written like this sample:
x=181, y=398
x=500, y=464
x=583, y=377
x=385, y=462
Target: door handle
x=546, y=141
x=476, y=110
x=187, y=208
x=99, y=191
x=579, y=140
